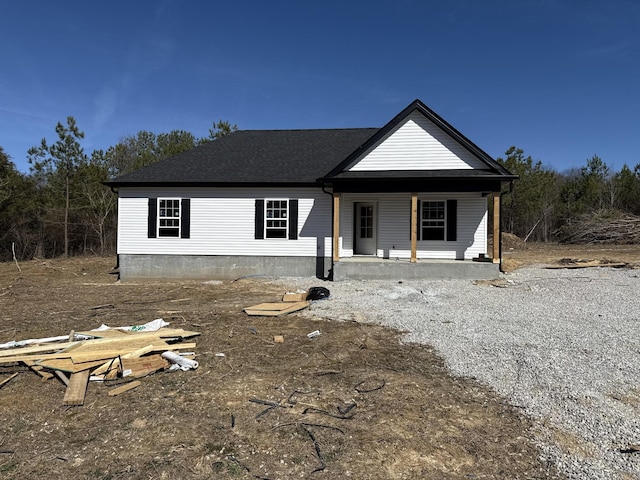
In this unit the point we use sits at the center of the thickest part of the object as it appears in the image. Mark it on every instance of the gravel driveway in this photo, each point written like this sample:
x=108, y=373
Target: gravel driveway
x=562, y=345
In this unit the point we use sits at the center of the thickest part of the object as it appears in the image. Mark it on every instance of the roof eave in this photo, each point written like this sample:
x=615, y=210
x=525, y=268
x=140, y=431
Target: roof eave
x=160, y=184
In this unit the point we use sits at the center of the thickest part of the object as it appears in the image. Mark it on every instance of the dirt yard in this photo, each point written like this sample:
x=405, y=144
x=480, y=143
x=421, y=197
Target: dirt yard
x=352, y=403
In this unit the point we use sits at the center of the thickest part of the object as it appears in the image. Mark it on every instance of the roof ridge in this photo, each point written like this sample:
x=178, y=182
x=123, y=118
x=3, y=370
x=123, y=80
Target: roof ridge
x=305, y=129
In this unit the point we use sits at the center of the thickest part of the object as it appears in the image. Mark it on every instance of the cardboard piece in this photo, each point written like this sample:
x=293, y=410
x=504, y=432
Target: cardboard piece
x=295, y=297
x=124, y=388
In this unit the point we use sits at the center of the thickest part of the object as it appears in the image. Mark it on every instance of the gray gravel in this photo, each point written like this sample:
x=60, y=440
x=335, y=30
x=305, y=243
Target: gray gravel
x=562, y=345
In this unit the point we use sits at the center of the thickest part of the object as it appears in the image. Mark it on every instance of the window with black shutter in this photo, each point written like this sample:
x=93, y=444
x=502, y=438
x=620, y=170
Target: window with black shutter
x=169, y=217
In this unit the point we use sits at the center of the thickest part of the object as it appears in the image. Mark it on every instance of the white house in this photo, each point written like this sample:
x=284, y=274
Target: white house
x=408, y=200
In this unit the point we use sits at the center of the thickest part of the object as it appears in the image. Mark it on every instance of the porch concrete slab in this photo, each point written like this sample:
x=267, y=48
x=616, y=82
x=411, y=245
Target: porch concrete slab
x=381, y=269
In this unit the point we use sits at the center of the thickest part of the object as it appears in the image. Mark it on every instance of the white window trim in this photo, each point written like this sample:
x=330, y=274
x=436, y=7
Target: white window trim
x=266, y=219
x=179, y=218
x=446, y=218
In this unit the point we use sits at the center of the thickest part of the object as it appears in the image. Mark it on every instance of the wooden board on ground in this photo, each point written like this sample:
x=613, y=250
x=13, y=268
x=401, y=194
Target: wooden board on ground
x=587, y=265
x=77, y=388
x=63, y=378
x=67, y=365
x=38, y=370
x=106, y=354
x=162, y=333
x=7, y=380
x=124, y=388
x=275, y=309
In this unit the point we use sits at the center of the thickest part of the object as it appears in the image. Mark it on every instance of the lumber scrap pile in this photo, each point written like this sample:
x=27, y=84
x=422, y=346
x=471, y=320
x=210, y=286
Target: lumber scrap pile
x=604, y=226
x=101, y=355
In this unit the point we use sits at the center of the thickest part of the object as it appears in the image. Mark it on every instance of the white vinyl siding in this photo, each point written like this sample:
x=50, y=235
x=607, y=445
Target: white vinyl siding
x=417, y=144
x=223, y=223
x=393, y=230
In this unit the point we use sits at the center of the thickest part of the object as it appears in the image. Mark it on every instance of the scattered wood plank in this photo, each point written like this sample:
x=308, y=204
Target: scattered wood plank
x=106, y=333
x=66, y=365
x=35, y=349
x=38, y=370
x=7, y=380
x=77, y=388
x=124, y=388
x=587, y=265
x=104, y=355
x=162, y=333
x=75, y=362
x=62, y=377
x=114, y=363
x=275, y=309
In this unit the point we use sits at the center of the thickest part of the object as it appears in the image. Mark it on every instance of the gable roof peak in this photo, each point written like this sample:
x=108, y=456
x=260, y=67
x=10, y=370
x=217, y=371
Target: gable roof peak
x=421, y=107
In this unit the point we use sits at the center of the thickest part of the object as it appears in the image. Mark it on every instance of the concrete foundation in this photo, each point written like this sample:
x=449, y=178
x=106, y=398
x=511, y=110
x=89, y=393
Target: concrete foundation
x=365, y=268
x=138, y=267
x=135, y=267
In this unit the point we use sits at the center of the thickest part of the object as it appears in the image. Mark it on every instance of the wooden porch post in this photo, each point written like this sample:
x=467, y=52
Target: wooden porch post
x=414, y=227
x=336, y=227
x=496, y=228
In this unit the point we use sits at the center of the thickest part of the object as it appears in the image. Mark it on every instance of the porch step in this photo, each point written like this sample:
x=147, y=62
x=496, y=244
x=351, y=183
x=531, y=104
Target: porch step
x=422, y=270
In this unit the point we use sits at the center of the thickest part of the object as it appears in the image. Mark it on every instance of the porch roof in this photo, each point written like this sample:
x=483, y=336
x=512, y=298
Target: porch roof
x=418, y=181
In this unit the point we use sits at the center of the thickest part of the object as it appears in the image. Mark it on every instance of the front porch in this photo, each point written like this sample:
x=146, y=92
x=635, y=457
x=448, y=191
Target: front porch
x=374, y=268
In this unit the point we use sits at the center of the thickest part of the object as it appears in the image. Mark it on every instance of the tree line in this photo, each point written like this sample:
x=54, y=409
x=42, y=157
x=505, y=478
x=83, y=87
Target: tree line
x=62, y=208
x=546, y=205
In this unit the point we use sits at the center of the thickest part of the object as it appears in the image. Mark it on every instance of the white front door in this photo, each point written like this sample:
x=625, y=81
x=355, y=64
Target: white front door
x=365, y=226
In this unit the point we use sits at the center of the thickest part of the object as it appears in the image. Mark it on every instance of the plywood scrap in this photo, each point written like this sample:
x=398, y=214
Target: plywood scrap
x=77, y=388
x=275, y=309
x=8, y=379
x=124, y=388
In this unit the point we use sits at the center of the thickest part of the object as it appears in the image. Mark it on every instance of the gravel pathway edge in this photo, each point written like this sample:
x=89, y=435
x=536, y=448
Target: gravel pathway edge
x=562, y=345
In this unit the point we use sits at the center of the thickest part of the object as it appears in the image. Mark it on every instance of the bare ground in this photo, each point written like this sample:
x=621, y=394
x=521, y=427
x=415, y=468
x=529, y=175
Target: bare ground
x=354, y=402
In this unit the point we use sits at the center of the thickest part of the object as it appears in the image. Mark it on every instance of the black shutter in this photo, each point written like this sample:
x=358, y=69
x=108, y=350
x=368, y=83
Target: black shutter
x=452, y=220
x=259, y=220
x=185, y=218
x=152, y=218
x=293, y=219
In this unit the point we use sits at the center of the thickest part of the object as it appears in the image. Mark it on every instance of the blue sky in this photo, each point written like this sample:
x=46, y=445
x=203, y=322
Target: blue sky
x=558, y=78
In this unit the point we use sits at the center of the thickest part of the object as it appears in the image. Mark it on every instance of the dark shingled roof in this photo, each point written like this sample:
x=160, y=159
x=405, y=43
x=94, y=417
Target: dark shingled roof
x=298, y=157
x=248, y=157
